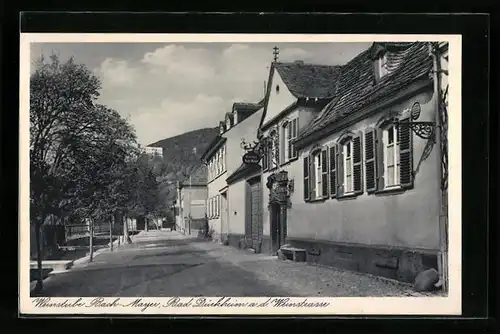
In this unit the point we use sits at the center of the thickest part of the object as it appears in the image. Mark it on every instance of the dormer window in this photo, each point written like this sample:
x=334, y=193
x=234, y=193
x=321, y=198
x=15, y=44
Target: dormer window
x=381, y=65
x=228, y=123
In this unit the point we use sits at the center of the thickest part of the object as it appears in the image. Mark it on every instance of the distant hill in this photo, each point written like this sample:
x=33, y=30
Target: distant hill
x=182, y=154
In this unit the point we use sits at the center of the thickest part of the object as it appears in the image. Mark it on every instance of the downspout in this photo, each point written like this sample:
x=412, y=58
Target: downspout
x=443, y=242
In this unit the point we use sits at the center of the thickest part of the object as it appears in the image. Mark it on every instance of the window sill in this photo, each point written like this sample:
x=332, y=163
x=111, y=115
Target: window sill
x=348, y=196
x=396, y=190
x=317, y=200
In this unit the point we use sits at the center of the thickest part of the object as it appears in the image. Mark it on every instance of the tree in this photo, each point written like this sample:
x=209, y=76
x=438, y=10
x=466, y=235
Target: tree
x=71, y=138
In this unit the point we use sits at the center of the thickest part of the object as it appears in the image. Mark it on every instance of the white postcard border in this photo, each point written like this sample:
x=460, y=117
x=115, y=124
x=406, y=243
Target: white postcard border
x=448, y=305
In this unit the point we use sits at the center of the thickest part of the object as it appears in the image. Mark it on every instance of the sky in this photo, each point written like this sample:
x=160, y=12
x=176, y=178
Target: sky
x=167, y=89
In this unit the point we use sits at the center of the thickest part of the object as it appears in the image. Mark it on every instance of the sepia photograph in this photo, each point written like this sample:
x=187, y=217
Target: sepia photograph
x=167, y=174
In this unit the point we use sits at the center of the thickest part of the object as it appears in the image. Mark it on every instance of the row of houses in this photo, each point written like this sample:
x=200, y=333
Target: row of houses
x=352, y=164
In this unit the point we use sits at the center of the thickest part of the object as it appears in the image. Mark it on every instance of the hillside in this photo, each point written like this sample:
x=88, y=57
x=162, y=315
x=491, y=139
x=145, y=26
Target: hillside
x=180, y=158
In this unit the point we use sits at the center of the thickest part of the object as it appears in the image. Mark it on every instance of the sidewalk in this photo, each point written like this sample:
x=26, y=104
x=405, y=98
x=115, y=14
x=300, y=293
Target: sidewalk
x=310, y=280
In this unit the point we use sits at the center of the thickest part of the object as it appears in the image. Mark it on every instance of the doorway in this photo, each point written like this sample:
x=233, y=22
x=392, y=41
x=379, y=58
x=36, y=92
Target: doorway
x=254, y=223
x=275, y=225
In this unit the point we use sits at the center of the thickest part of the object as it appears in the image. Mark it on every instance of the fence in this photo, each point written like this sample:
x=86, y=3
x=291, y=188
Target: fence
x=72, y=231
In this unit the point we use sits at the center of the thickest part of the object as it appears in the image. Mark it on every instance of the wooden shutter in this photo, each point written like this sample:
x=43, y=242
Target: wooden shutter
x=370, y=160
x=340, y=170
x=379, y=149
x=295, y=133
x=265, y=154
x=277, y=147
x=288, y=140
x=333, y=170
x=307, y=179
x=357, y=164
x=324, y=172
x=405, y=154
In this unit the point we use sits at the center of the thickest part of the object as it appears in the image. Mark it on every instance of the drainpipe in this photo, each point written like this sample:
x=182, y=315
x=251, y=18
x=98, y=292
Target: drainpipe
x=443, y=240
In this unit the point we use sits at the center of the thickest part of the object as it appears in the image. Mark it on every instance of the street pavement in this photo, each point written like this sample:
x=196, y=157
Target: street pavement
x=166, y=263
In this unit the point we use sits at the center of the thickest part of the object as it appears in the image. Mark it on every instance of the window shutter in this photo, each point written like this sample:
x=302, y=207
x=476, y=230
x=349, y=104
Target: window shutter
x=357, y=166
x=333, y=170
x=288, y=140
x=370, y=160
x=405, y=154
x=379, y=144
x=324, y=172
x=340, y=170
x=265, y=155
x=307, y=189
x=277, y=139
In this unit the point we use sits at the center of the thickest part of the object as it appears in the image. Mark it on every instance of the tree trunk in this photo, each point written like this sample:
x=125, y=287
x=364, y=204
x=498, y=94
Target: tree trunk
x=39, y=250
x=126, y=237
x=146, y=224
x=91, y=239
x=111, y=233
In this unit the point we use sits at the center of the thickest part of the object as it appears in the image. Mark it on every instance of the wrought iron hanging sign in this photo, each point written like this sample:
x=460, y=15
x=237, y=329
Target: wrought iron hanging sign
x=424, y=130
x=251, y=158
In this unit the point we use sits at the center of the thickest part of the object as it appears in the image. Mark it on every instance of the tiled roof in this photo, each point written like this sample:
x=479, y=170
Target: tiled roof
x=407, y=62
x=242, y=171
x=246, y=106
x=308, y=80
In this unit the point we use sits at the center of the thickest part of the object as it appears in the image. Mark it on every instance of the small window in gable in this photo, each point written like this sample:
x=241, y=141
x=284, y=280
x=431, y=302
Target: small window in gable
x=381, y=65
x=277, y=89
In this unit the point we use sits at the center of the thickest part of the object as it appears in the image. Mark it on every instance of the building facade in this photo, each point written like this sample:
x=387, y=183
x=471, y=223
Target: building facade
x=296, y=93
x=215, y=160
x=156, y=152
x=190, y=205
x=240, y=178
x=364, y=192
x=223, y=158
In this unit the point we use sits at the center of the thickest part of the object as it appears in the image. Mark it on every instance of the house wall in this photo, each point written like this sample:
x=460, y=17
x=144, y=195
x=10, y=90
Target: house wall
x=247, y=129
x=305, y=116
x=402, y=228
x=278, y=101
x=214, y=221
x=193, y=201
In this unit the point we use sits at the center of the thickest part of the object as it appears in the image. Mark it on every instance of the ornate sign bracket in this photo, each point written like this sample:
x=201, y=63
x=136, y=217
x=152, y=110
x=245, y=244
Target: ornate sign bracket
x=424, y=130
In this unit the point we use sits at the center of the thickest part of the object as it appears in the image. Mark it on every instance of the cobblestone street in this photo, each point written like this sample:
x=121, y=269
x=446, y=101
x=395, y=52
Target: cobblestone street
x=164, y=263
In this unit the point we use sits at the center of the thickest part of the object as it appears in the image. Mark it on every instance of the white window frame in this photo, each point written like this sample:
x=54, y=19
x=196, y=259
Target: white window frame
x=382, y=65
x=395, y=163
x=286, y=129
x=318, y=173
x=348, y=161
x=293, y=126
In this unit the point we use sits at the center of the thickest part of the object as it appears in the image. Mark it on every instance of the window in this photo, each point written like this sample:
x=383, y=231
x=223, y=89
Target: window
x=216, y=206
x=381, y=65
x=348, y=167
x=274, y=150
x=290, y=131
x=223, y=158
x=316, y=174
x=391, y=155
x=265, y=154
